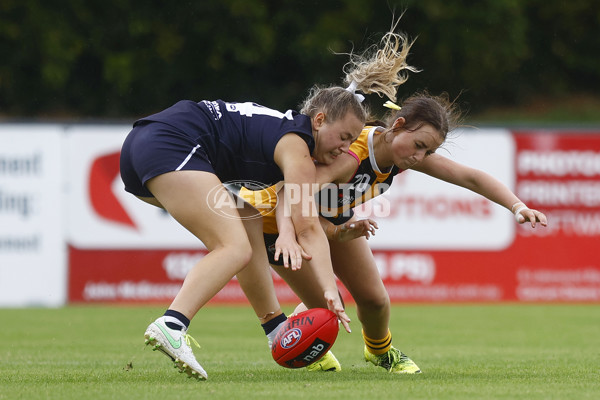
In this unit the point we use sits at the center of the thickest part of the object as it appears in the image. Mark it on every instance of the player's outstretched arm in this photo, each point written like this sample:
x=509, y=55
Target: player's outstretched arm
x=482, y=183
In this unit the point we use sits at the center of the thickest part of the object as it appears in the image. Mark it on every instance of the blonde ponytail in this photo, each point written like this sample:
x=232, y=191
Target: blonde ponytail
x=376, y=70
x=381, y=70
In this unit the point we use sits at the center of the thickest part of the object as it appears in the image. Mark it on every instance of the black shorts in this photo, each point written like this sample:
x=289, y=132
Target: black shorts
x=270, y=246
x=155, y=148
x=271, y=238
x=341, y=219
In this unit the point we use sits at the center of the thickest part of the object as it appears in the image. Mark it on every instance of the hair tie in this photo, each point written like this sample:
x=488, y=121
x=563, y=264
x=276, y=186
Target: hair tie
x=392, y=105
x=352, y=89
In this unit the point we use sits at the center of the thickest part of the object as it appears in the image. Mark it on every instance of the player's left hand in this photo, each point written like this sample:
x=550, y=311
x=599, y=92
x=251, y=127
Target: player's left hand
x=525, y=214
x=355, y=229
x=291, y=251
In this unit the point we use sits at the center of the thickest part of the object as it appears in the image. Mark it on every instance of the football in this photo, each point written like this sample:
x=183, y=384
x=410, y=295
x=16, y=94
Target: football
x=305, y=338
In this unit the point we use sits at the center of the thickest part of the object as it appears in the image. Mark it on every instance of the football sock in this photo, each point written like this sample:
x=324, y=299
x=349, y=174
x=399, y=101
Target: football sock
x=378, y=346
x=176, y=320
x=272, y=327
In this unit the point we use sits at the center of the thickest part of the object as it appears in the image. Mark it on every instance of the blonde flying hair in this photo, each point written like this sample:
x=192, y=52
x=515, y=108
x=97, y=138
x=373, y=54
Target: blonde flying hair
x=375, y=71
x=381, y=71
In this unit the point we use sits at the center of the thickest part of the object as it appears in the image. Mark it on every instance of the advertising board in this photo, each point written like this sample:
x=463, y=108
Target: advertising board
x=436, y=242
x=33, y=269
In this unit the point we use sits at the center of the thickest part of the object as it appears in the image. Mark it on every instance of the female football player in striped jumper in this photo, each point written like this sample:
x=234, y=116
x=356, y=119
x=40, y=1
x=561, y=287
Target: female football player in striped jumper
x=408, y=141
x=414, y=134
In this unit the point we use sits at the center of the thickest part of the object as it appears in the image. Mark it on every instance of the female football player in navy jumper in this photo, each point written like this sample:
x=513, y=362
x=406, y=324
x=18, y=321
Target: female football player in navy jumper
x=178, y=158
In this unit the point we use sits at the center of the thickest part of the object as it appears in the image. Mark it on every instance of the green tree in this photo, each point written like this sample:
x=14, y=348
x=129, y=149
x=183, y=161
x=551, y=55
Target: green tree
x=121, y=59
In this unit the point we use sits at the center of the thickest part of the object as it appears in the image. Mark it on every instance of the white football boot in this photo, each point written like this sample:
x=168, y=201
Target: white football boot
x=176, y=345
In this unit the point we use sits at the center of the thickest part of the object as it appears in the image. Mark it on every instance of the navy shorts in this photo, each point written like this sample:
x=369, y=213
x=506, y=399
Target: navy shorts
x=155, y=148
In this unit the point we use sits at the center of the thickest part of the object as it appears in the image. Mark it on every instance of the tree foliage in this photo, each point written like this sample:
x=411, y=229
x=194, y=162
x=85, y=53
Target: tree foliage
x=120, y=59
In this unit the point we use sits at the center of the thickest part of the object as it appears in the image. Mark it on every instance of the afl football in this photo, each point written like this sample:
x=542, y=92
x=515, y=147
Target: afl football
x=305, y=338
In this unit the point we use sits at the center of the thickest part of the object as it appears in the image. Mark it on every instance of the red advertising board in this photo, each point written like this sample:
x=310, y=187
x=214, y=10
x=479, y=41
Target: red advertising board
x=556, y=172
x=559, y=174
x=144, y=276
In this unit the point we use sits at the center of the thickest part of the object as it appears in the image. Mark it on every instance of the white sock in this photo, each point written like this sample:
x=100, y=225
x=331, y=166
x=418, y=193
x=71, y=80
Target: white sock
x=173, y=320
x=271, y=335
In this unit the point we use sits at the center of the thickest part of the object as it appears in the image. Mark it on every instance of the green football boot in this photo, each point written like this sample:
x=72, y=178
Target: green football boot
x=394, y=361
x=326, y=363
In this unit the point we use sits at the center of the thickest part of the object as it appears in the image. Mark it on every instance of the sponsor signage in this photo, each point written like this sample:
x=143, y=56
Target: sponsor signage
x=32, y=243
x=138, y=276
x=65, y=217
x=102, y=215
x=436, y=242
x=421, y=212
x=560, y=174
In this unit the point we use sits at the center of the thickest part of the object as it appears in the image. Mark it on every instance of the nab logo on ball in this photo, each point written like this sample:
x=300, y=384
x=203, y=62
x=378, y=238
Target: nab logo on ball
x=291, y=338
x=305, y=338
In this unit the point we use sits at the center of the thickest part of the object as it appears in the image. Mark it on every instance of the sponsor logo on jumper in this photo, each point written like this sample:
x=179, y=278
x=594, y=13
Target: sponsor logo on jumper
x=214, y=109
x=332, y=197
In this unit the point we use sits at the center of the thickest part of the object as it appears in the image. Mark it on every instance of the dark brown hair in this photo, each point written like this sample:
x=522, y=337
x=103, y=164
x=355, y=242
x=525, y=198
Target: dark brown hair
x=424, y=108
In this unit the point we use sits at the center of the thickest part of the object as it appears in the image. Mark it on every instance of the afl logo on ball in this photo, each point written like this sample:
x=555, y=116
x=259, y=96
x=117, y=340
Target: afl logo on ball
x=291, y=338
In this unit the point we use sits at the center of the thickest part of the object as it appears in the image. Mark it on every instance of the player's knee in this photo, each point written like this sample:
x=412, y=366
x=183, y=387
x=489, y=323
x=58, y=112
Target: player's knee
x=241, y=253
x=376, y=302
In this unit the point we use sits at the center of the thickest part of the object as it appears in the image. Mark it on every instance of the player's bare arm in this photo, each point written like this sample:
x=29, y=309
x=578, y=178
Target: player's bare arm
x=294, y=160
x=479, y=182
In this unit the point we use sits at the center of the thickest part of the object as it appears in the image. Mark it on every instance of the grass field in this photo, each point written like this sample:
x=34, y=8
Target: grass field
x=465, y=352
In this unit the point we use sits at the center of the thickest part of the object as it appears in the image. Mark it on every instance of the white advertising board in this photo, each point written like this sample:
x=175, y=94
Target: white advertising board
x=32, y=244
x=67, y=223
x=101, y=214
x=420, y=212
